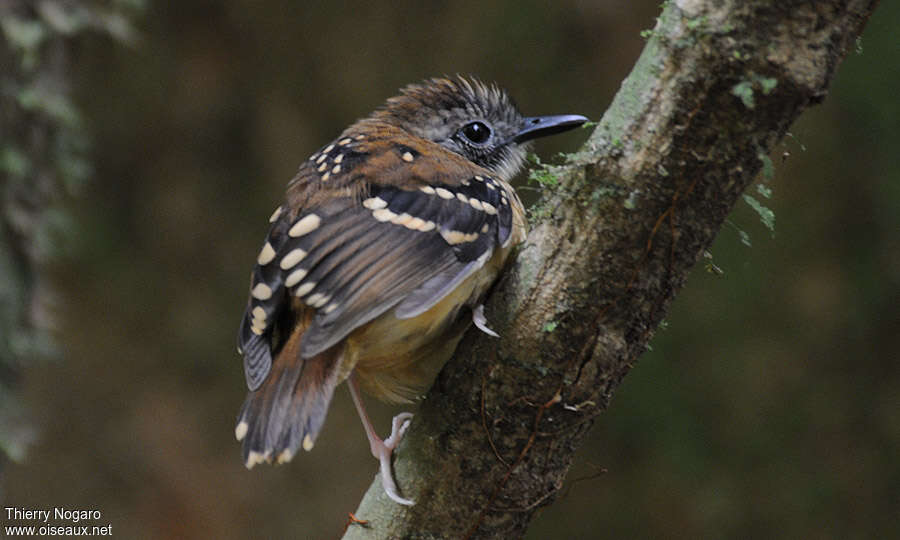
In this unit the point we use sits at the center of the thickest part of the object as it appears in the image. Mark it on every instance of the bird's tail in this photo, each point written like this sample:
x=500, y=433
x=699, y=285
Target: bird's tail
x=288, y=409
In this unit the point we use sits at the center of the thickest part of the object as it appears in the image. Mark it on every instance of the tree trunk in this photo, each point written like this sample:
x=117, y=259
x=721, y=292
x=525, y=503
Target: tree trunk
x=716, y=88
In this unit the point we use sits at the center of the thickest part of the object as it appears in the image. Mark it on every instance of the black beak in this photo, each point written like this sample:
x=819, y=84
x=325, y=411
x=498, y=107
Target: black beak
x=541, y=126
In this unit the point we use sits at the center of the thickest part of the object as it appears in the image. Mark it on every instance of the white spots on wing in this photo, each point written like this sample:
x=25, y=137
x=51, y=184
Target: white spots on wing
x=458, y=237
x=318, y=300
x=241, y=430
x=254, y=458
x=258, y=322
x=285, y=456
x=275, y=215
x=375, y=203
x=307, y=443
x=453, y=237
x=305, y=288
x=402, y=219
x=305, y=226
x=261, y=292
x=292, y=258
x=415, y=224
x=266, y=255
x=294, y=277
x=328, y=163
x=383, y=214
x=331, y=307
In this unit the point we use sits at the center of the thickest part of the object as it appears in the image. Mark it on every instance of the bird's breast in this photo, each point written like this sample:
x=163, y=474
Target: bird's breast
x=397, y=359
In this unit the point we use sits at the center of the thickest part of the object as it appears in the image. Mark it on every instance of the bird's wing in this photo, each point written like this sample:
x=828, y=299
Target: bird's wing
x=359, y=244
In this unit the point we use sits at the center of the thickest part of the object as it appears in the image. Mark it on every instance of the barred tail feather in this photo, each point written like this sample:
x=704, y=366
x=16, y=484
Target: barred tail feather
x=288, y=409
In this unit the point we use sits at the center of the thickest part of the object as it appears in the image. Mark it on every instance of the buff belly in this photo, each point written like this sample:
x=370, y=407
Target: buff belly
x=401, y=357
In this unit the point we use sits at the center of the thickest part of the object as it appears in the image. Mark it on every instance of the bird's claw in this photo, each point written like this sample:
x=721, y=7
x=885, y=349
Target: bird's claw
x=481, y=322
x=383, y=453
x=399, y=425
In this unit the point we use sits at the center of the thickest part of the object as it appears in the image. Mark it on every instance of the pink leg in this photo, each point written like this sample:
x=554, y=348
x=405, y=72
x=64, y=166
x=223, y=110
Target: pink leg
x=382, y=449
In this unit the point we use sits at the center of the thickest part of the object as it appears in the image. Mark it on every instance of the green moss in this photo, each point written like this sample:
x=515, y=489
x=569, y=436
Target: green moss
x=544, y=177
x=631, y=202
x=768, y=168
x=766, y=215
x=746, y=88
x=744, y=91
x=742, y=234
x=767, y=84
x=698, y=22
x=538, y=212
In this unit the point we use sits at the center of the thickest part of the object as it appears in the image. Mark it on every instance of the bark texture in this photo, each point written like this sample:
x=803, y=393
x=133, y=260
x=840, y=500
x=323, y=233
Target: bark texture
x=717, y=86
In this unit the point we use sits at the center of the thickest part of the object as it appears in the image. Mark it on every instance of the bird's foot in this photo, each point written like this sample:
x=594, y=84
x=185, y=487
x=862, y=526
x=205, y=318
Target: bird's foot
x=383, y=450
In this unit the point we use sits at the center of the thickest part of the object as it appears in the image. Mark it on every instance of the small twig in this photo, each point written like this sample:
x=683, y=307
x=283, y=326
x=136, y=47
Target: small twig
x=484, y=423
x=353, y=520
x=600, y=472
x=557, y=397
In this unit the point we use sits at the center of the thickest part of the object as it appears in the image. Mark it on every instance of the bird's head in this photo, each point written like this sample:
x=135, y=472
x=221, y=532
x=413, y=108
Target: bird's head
x=477, y=121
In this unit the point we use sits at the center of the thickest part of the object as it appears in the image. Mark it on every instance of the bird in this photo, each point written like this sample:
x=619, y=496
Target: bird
x=378, y=260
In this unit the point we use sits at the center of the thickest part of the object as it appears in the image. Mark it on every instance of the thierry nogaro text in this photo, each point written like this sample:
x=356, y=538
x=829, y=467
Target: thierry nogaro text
x=45, y=515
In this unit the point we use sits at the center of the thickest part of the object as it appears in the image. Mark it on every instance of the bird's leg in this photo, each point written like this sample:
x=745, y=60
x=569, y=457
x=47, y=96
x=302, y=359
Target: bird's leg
x=382, y=449
x=481, y=322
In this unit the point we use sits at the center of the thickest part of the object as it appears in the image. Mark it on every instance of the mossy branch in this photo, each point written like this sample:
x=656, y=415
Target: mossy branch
x=718, y=84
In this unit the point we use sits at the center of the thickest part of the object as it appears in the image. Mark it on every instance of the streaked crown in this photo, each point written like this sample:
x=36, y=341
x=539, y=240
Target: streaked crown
x=464, y=115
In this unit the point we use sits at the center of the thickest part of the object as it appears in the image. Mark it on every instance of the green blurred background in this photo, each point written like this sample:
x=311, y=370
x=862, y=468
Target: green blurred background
x=769, y=405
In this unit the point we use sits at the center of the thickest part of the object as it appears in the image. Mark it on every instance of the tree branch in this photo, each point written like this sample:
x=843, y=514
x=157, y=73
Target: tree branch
x=716, y=88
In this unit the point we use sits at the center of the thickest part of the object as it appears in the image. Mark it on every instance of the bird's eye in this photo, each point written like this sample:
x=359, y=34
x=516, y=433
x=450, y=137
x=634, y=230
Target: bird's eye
x=476, y=132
